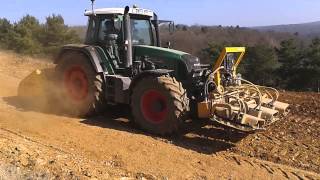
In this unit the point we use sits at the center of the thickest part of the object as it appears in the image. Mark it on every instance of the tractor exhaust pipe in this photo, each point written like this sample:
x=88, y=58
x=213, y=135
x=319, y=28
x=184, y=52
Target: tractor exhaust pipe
x=127, y=38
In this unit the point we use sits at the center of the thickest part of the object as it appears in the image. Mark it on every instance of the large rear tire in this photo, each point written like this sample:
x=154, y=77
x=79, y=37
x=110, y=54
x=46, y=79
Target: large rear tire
x=159, y=104
x=82, y=89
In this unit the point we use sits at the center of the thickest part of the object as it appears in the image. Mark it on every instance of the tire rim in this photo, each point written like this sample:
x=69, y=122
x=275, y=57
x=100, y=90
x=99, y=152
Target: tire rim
x=76, y=83
x=154, y=106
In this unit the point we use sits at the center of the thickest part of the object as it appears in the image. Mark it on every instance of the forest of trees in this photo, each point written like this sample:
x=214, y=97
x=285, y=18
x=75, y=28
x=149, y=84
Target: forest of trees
x=282, y=60
x=28, y=36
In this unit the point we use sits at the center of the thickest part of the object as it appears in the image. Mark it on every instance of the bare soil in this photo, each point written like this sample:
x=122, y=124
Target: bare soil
x=38, y=144
x=295, y=140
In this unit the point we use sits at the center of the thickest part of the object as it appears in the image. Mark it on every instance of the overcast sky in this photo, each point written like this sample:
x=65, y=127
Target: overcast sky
x=204, y=12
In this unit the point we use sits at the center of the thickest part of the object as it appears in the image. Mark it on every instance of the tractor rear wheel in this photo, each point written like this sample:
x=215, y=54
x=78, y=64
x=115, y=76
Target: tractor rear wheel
x=159, y=104
x=82, y=89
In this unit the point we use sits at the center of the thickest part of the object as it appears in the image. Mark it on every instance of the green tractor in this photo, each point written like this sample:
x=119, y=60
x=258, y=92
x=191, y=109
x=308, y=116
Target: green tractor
x=122, y=62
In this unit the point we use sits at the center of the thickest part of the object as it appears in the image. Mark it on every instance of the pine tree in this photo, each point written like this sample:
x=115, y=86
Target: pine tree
x=25, y=38
x=259, y=65
x=6, y=32
x=56, y=34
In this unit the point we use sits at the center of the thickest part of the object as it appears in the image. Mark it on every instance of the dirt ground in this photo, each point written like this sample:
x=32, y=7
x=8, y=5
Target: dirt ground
x=295, y=140
x=35, y=144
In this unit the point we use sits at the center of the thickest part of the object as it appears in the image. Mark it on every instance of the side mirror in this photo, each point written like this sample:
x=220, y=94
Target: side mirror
x=117, y=24
x=171, y=24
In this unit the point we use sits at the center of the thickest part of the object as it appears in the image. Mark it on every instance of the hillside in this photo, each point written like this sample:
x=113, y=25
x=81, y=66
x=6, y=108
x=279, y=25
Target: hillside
x=305, y=29
x=309, y=30
x=195, y=39
x=38, y=144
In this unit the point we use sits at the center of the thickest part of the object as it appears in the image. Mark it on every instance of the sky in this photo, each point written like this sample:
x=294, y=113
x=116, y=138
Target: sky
x=244, y=13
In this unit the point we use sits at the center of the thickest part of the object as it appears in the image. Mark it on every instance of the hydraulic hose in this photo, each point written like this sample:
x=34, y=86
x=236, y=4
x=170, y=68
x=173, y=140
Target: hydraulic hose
x=209, y=80
x=275, y=90
x=256, y=87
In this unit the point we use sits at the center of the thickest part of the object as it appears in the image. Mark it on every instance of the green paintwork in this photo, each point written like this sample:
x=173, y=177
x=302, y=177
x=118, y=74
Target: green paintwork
x=153, y=51
x=165, y=59
x=170, y=58
x=105, y=60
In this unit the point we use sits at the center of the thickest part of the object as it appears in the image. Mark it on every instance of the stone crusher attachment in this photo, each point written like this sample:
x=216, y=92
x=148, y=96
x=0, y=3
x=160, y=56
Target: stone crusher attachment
x=236, y=102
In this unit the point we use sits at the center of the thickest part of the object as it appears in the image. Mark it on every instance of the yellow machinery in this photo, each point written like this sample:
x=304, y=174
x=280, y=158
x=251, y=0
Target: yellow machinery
x=236, y=102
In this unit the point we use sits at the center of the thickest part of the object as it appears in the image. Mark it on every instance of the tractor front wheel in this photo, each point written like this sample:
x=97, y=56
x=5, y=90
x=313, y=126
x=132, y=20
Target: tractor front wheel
x=159, y=104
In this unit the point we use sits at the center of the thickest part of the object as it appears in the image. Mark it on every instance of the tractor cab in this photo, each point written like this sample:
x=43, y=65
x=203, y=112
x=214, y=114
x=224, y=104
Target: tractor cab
x=107, y=24
x=107, y=28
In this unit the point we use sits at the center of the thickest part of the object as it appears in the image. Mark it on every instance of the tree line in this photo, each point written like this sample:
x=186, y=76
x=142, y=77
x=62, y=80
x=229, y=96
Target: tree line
x=29, y=36
x=282, y=60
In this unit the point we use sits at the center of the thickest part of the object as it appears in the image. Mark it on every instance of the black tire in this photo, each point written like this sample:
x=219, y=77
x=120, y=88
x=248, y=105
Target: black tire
x=168, y=106
x=91, y=102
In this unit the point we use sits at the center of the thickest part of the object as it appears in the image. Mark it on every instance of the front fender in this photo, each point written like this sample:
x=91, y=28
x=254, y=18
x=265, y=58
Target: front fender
x=153, y=73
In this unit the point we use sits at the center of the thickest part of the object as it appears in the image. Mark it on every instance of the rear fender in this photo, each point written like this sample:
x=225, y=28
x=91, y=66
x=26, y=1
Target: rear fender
x=89, y=51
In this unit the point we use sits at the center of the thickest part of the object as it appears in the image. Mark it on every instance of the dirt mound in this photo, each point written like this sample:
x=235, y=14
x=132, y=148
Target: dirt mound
x=293, y=140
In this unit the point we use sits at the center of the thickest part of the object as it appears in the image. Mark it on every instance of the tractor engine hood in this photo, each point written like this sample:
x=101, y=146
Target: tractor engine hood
x=165, y=55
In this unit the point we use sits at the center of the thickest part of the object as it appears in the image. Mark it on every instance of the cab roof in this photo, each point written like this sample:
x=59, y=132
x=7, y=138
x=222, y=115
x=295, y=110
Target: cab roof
x=137, y=11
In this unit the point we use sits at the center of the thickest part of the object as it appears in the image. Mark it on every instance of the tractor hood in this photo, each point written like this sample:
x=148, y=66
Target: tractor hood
x=165, y=54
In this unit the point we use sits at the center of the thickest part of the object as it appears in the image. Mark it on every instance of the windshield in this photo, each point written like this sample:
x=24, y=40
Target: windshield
x=141, y=32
